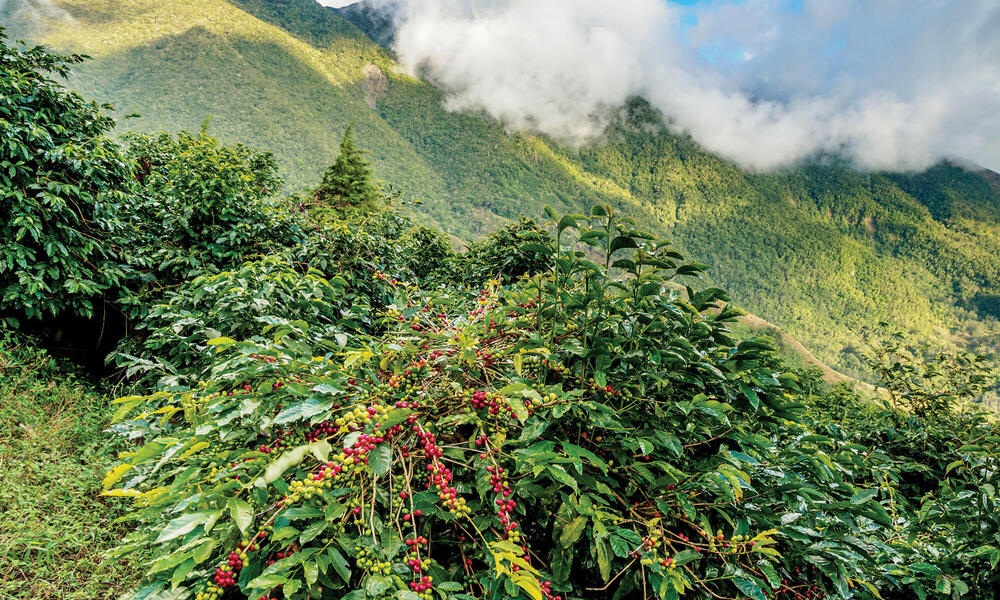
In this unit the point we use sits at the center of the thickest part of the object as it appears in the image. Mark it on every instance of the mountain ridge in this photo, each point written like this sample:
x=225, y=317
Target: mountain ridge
x=819, y=250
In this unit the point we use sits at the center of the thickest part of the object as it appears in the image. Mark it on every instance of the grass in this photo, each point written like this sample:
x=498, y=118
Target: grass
x=54, y=526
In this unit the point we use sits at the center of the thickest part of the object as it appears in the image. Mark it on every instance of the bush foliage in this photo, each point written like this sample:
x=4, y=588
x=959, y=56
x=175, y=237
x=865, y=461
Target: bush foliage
x=201, y=206
x=61, y=181
x=582, y=433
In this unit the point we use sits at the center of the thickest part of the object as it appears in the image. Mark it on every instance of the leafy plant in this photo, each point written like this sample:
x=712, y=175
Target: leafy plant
x=178, y=338
x=928, y=383
x=61, y=183
x=517, y=249
x=580, y=434
x=202, y=207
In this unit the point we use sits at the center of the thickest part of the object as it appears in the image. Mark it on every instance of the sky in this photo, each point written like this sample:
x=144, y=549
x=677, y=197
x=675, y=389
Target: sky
x=890, y=84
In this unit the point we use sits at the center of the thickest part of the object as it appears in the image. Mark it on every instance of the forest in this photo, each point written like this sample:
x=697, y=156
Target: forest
x=212, y=389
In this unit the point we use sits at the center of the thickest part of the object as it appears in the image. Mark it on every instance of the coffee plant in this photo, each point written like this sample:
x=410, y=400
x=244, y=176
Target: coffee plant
x=591, y=431
x=61, y=181
x=200, y=206
x=177, y=339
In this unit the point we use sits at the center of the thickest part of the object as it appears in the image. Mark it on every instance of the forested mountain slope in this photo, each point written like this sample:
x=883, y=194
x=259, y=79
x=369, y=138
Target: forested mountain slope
x=820, y=250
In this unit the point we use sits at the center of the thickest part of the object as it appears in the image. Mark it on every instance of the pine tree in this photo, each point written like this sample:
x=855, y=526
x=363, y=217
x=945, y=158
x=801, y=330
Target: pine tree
x=347, y=183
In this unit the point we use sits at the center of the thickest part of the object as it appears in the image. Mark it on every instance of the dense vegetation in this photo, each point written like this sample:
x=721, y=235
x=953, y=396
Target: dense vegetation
x=326, y=401
x=818, y=251
x=54, y=526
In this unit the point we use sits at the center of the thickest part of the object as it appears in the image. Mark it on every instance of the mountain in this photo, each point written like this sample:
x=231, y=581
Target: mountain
x=377, y=24
x=820, y=251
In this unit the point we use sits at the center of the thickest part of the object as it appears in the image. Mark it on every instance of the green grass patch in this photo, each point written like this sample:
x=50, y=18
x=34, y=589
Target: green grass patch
x=54, y=525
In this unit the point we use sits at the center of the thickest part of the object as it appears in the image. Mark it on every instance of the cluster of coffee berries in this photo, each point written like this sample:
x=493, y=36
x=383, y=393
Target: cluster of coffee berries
x=479, y=400
x=504, y=503
x=366, y=562
x=547, y=591
x=738, y=544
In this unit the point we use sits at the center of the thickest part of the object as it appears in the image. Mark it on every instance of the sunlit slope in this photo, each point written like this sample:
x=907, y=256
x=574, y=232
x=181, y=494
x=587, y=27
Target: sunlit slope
x=824, y=251
x=820, y=251
x=294, y=91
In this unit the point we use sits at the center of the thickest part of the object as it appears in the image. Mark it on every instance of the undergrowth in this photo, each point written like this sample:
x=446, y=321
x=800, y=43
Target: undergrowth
x=54, y=525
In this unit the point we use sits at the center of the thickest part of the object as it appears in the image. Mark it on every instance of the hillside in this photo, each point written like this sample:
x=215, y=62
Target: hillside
x=819, y=251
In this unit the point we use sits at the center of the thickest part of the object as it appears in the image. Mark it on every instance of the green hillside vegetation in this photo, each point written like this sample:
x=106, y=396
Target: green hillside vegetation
x=818, y=250
x=319, y=399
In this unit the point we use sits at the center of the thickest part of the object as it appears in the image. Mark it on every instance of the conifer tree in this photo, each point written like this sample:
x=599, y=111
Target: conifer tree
x=347, y=183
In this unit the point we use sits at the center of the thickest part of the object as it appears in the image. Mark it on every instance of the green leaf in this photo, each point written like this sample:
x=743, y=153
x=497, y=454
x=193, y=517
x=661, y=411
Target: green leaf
x=381, y=459
x=311, y=572
x=204, y=551
x=517, y=405
x=560, y=474
x=284, y=533
x=312, y=531
x=267, y=582
x=291, y=458
x=925, y=568
x=620, y=243
x=242, y=514
x=339, y=564
x=572, y=531
x=184, y=524
x=301, y=512
x=301, y=411
x=685, y=556
x=604, y=559
x=770, y=573
x=565, y=222
x=375, y=585
x=749, y=588
x=863, y=496
x=943, y=585
x=960, y=587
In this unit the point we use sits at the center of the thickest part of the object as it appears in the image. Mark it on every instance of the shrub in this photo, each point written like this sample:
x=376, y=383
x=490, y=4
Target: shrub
x=203, y=207
x=576, y=435
x=425, y=251
x=518, y=249
x=61, y=181
x=176, y=340
x=368, y=249
x=937, y=453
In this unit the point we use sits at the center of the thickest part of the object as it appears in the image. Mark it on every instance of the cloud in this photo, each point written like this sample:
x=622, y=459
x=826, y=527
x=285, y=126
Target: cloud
x=30, y=15
x=766, y=83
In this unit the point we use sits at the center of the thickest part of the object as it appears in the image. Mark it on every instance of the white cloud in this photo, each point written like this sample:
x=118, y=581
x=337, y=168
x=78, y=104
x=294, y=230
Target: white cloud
x=892, y=83
x=336, y=3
